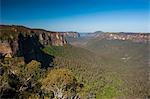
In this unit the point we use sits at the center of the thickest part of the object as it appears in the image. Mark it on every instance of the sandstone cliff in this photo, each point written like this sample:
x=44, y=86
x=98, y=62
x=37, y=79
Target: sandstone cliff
x=71, y=34
x=135, y=37
x=14, y=40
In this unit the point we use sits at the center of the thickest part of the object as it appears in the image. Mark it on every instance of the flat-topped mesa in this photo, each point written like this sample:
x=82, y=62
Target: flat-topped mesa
x=12, y=37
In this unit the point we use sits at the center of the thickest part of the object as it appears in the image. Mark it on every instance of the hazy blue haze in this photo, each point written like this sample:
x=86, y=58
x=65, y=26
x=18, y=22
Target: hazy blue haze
x=78, y=15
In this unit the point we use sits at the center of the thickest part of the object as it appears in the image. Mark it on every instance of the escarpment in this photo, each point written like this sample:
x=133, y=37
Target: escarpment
x=19, y=40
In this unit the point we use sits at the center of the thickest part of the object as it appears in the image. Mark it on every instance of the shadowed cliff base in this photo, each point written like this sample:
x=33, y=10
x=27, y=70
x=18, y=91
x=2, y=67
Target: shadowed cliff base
x=31, y=49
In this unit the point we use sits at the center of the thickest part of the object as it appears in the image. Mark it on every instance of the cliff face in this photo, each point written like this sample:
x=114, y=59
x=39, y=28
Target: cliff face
x=135, y=37
x=71, y=34
x=5, y=49
x=20, y=40
x=50, y=38
x=30, y=48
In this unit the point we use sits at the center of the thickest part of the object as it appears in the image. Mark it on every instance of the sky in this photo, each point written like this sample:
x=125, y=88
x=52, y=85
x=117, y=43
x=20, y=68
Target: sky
x=78, y=15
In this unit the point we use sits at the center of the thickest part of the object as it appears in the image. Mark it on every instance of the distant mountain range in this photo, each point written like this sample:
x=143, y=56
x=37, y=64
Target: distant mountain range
x=136, y=37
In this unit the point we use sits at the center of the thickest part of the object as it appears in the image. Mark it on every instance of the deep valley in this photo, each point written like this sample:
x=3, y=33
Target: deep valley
x=36, y=63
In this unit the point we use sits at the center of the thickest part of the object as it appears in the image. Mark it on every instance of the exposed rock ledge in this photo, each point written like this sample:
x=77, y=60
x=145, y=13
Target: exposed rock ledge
x=16, y=39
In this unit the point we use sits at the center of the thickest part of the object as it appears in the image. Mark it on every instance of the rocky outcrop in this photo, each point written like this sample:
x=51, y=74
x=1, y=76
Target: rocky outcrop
x=16, y=40
x=71, y=34
x=27, y=43
x=5, y=49
x=49, y=37
x=11, y=32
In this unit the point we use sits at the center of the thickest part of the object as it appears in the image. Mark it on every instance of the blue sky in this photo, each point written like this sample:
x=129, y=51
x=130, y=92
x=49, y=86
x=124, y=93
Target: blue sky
x=78, y=15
